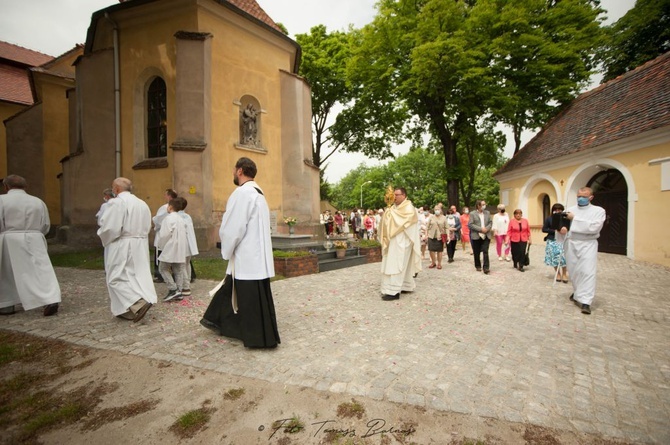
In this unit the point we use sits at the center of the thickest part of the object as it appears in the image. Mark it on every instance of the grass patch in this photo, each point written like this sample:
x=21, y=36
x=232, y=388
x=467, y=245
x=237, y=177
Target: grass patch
x=368, y=243
x=290, y=426
x=234, y=394
x=352, y=409
x=290, y=253
x=86, y=259
x=190, y=423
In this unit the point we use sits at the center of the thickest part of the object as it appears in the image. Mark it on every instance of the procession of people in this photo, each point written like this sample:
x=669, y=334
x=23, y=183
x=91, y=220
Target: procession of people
x=242, y=305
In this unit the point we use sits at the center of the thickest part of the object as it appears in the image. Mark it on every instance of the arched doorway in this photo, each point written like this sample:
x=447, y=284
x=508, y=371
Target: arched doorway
x=611, y=193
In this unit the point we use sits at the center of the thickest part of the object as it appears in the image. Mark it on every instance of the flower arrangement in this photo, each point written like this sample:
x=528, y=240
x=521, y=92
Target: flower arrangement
x=340, y=244
x=290, y=221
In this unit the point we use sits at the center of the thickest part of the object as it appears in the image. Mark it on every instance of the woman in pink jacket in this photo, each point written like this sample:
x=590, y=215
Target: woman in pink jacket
x=518, y=233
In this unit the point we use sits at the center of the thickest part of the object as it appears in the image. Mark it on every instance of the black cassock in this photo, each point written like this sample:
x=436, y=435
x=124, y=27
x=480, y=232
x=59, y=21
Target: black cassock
x=255, y=322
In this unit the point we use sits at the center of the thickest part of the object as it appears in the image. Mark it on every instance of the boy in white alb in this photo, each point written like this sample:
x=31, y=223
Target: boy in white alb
x=173, y=244
x=192, y=243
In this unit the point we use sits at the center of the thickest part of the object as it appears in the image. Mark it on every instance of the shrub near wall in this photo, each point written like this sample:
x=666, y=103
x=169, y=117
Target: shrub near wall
x=371, y=249
x=293, y=264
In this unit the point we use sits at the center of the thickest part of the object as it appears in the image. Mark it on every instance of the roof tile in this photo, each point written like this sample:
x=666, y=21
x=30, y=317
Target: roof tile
x=633, y=103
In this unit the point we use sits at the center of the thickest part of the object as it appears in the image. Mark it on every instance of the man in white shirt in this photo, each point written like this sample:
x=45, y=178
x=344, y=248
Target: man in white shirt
x=247, y=245
x=26, y=273
x=581, y=247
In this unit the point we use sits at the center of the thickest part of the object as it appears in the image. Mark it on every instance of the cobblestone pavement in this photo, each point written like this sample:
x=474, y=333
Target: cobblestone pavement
x=508, y=345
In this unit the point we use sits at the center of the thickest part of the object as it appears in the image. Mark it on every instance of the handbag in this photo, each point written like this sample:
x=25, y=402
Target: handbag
x=444, y=238
x=526, y=258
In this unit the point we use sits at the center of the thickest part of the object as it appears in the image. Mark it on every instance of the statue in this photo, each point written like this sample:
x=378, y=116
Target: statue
x=249, y=126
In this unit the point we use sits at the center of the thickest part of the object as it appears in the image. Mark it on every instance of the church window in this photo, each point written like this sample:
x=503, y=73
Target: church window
x=157, y=119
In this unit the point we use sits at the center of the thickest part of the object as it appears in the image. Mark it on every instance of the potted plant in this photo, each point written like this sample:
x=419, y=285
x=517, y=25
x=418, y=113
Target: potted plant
x=290, y=221
x=340, y=248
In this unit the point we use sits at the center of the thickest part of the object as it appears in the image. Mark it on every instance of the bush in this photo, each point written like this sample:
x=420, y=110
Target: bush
x=290, y=253
x=369, y=243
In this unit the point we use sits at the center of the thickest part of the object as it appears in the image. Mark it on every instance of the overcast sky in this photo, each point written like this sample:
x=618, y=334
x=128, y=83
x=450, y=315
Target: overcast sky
x=56, y=26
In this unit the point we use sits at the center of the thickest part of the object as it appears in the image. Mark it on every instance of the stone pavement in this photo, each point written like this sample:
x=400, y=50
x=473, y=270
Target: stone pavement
x=508, y=345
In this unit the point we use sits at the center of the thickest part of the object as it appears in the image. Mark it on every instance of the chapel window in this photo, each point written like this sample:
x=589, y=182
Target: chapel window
x=157, y=119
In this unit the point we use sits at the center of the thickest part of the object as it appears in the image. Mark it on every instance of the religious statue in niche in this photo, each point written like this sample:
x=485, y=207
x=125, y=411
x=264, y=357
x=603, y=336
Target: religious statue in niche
x=249, y=126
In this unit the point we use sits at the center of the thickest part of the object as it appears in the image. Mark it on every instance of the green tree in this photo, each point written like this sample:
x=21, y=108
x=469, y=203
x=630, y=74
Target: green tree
x=543, y=53
x=639, y=36
x=430, y=66
x=324, y=57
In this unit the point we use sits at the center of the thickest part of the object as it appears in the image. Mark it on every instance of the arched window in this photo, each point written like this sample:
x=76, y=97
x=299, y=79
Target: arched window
x=157, y=119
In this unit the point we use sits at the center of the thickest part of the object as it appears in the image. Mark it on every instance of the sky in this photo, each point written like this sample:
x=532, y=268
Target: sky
x=54, y=27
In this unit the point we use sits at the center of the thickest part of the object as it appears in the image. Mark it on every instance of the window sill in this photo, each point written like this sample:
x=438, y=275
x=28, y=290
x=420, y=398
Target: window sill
x=252, y=148
x=152, y=163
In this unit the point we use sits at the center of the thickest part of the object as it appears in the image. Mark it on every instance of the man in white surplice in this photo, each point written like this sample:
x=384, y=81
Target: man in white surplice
x=26, y=273
x=124, y=230
x=401, y=247
x=581, y=247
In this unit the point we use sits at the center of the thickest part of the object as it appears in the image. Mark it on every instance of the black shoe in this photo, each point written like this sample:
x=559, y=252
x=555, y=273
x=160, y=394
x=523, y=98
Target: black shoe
x=486, y=271
x=479, y=269
x=50, y=309
x=586, y=309
x=211, y=326
x=387, y=297
x=572, y=297
x=9, y=310
x=451, y=260
x=175, y=293
x=142, y=312
x=521, y=269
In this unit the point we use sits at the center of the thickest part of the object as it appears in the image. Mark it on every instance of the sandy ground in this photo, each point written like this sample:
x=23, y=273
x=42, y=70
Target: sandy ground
x=137, y=400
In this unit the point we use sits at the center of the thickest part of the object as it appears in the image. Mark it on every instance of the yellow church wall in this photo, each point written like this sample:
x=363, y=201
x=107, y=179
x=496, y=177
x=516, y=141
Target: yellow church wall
x=245, y=62
x=649, y=244
x=6, y=110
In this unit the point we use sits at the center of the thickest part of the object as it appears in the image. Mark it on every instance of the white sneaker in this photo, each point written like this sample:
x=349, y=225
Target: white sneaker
x=508, y=258
x=500, y=258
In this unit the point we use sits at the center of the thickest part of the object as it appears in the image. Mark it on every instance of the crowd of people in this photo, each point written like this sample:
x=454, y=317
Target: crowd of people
x=358, y=223
x=571, y=241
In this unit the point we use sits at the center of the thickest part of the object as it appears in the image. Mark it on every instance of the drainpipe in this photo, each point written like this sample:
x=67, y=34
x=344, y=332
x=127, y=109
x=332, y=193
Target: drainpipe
x=117, y=98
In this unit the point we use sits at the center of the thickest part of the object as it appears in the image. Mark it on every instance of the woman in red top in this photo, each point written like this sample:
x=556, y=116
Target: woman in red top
x=518, y=233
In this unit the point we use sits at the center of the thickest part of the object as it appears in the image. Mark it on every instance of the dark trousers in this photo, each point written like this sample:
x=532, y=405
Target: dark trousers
x=451, y=249
x=157, y=253
x=480, y=246
x=518, y=253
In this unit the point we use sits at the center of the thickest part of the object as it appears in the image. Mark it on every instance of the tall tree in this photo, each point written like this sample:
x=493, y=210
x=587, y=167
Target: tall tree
x=324, y=57
x=430, y=65
x=543, y=53
x=639, y=36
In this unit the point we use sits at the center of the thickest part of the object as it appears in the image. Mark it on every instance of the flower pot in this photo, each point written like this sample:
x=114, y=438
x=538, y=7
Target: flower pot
x=291, y=230
x=340, y=253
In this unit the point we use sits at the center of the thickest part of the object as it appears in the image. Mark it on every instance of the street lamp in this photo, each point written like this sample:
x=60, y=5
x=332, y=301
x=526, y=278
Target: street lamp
x=367, y=182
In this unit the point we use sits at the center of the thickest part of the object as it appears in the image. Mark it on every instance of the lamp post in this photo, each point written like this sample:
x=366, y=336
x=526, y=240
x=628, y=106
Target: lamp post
x=367, y=182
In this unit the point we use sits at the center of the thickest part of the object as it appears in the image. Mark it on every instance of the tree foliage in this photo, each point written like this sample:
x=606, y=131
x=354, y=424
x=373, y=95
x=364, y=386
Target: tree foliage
x=445, y=67
x=324, y=57
x=639, y=36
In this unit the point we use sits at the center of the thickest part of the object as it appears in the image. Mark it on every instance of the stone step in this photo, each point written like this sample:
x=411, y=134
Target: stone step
x=333, y=263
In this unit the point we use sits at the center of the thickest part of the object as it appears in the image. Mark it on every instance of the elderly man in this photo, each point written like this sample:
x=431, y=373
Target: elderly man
x=247, y=245
x=581, y=247
x=480, y=224
x=26, y=273
x=124, y=230
x=401, y=247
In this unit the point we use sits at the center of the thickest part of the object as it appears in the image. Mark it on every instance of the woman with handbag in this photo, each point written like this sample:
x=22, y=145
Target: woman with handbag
x=435, y=229
x=518, y=233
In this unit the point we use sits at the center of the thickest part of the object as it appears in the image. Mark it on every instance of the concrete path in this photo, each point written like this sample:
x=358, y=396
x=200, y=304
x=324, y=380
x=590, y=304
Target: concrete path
x=508, y=345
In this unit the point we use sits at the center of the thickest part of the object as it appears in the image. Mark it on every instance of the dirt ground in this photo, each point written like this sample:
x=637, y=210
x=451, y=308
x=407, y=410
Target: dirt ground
x=52, y=392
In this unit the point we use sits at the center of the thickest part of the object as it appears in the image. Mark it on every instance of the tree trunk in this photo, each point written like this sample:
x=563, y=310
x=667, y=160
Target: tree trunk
x=448, y=143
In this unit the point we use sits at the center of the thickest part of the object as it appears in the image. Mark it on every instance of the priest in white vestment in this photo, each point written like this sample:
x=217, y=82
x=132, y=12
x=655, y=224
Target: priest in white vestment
x=581, y=247
x=242, y=306
x=401, y=247
x=26, y=273
x=124, y=230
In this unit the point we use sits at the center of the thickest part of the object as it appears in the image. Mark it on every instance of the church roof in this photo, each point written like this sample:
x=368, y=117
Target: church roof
x=14, y=75
x=255, y=10
x=633, y=103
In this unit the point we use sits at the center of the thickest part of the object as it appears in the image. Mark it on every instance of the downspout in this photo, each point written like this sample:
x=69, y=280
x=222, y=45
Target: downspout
x=117, y=97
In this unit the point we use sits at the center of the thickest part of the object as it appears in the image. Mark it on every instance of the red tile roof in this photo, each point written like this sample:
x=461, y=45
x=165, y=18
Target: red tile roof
x=254, y=9
x=22, y=55
x=633, y=103
x=15, y=85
